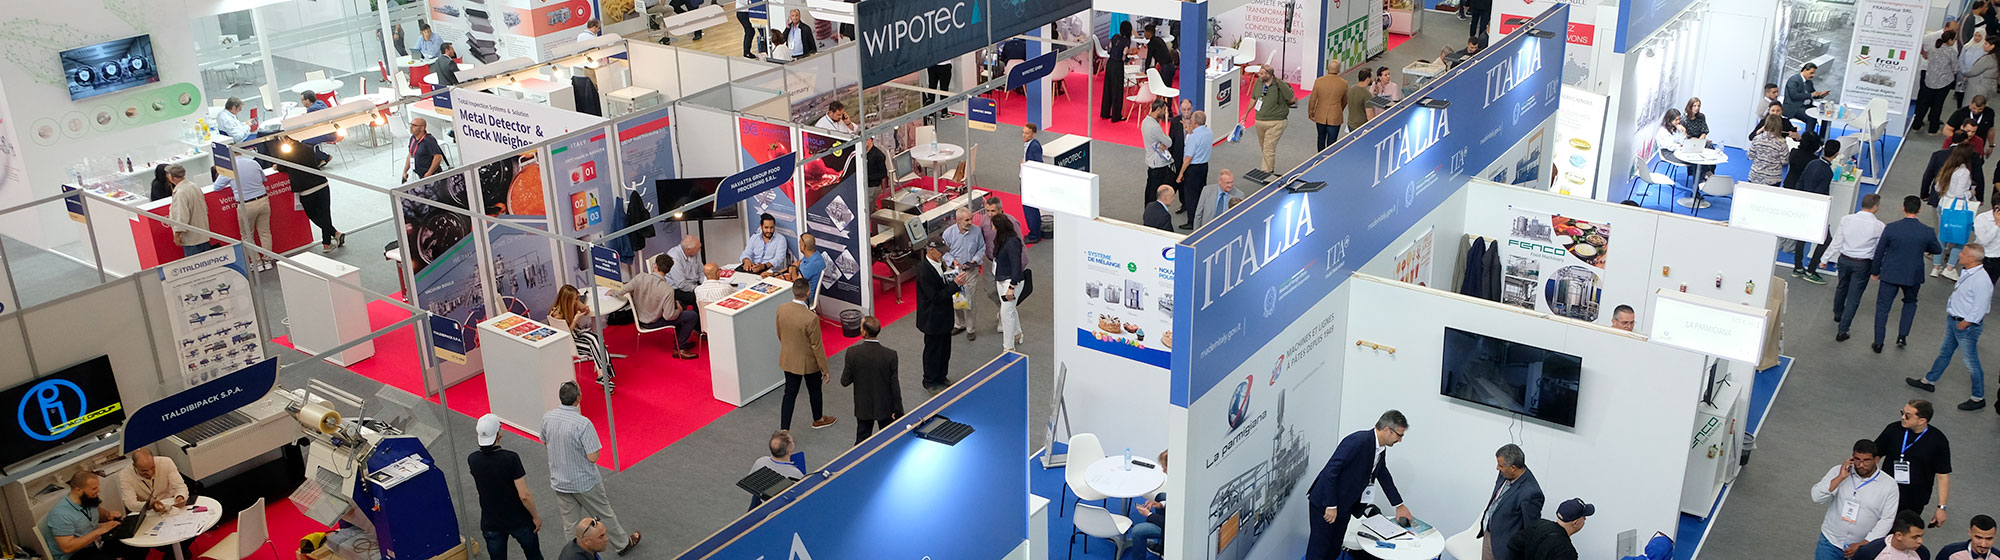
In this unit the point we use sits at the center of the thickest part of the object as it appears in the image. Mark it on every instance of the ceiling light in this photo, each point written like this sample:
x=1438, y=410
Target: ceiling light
x=942, y=430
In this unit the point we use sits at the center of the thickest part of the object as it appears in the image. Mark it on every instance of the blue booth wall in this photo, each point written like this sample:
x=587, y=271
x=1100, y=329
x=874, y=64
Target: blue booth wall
x=899, y=496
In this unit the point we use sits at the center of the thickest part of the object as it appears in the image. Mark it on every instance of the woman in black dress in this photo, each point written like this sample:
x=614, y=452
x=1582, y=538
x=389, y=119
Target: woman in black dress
x=1113, y=105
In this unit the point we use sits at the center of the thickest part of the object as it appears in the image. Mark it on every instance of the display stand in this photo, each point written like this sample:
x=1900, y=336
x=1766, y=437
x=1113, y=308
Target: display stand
x=742, y=345
x=525, y=362
x=1225, y=91
x=323, y=314
x=1073, y=151
x=1717, y=444
x=413, y=518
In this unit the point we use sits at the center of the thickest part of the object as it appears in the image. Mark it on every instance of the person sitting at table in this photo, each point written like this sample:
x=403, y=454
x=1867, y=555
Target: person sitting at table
x=1772, y=107
x=836, y=119
x=227, y=122
x=446, y=67
x=688, y=265
x=571, y=314
x=767, y=253
x=1671, y=132
x=1154, y=528
x=654, y=305
x=154, y=483
x=1805, y=152
x=76, y=527
x=712, y=288
x=811, y=263
x=1800, y=95
x=1694, y=124
x=429, y=45
x=1385, y=85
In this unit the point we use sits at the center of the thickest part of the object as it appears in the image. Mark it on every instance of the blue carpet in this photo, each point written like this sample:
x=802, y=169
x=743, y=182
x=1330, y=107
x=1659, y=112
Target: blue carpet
x=1763, y=390
x=1048, y=483
x=1659, y=198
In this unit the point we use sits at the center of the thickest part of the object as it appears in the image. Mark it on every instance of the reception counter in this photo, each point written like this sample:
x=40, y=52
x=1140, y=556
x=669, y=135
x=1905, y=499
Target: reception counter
x=743, y=341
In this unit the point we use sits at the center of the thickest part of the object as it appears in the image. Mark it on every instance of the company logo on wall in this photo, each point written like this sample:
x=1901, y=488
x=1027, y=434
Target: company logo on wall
x=1167, y=253
x=52, y=409
x=1239, y=405
x=1277, y=370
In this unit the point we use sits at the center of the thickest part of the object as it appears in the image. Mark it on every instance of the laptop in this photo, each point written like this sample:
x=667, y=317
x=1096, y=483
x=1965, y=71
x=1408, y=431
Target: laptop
x=1693, y=145
x=128, y=526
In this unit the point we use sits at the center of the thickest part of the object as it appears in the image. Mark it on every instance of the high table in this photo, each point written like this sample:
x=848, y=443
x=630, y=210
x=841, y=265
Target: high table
x=1108, y=476
x=1414, y=546
x=743, y=342
x=155, y=531
x=1709, y=157
x=936, y=155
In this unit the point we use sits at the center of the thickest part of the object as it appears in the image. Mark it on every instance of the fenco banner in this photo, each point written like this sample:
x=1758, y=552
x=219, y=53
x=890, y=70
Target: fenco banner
x=903, y=36
x=1243, y=278
x=201, y=403
x=1554, y=264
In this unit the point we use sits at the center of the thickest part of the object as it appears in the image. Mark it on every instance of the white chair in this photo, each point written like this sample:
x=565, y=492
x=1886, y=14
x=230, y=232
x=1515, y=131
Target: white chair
x=1158, y=87
x=1718, y=186
x=1652, y=180
x=1464, y=545
x=1102, y=57
x=819, y=284
x=251, y=535
x=1142, y=100
x=926, y=134
x=1246, y=51
x=1096, y=522
x=639, y=328
x=1083, y=450
x=315, y=75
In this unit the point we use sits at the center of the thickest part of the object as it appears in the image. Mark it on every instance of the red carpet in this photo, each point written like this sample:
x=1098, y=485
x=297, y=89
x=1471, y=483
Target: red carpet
x=1397, y=40
x=1075, y=112
x=285, y=526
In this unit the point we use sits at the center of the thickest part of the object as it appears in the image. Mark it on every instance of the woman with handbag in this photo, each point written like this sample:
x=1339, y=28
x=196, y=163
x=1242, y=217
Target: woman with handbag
x=1955, y=208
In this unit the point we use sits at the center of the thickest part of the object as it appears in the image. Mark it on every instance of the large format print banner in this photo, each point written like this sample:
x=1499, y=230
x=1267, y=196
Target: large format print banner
x=1243, y=278
x=834, y=215
x=903, y=36
x=1882, y=59
x=1554, y=264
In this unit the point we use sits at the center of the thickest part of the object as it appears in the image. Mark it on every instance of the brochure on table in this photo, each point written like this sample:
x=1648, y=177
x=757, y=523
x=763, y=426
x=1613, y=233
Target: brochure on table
x=214, y=317
x=522, y=329
x=764, y=289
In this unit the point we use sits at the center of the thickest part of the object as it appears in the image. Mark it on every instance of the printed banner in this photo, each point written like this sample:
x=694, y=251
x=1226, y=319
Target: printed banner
x=1882, y=59
x=834, y=215
x=764, y=142
x=748, y=183
x=442, y=256
x=582, y=172
x=181, y=411
x=646, y=153
x=1554, y=264
x=1128, y=285
x=525, y=268
x=447, y=339
x=215, y=314
x=982, y=114
x=604, y=266
x=1413, y=265
x=490, y=125
x=1579, y=134
x=899, y=37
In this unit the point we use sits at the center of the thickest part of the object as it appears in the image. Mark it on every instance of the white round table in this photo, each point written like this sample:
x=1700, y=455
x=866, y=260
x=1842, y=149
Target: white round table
x=1424, y=546
x=318, y=86
x=1704, y=157
x=944, y=153
x=147, y=538
x=432, y=78
x=611, y=303
x=1108, y=477
x=411, y=61
x=1829, y=118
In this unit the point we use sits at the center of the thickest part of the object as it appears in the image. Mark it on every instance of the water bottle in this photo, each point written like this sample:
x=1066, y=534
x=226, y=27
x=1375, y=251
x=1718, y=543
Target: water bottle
x=1128, y=458
x=934, y=146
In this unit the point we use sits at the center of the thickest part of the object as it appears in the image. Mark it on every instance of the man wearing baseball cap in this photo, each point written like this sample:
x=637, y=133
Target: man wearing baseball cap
x=1543, y=539
x=506, y=508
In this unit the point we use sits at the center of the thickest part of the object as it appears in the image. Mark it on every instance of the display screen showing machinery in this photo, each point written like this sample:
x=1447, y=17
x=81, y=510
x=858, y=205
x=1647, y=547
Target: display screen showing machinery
x=1511, y=377
x=109, y=66
x=49, y=411
x=675, y=193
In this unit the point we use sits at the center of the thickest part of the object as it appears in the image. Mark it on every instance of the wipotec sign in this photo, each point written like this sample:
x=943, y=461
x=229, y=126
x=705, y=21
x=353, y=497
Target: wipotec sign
x=899, y=37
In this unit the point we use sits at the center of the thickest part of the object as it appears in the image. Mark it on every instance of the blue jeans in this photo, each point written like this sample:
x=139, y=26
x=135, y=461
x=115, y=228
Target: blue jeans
x=1885, y=296
x=192, y=250
x=1847, y=293
x=531, y=545
x=1327, y=134
x=1828, y=551
x=1139, y=535
x=1954, y=338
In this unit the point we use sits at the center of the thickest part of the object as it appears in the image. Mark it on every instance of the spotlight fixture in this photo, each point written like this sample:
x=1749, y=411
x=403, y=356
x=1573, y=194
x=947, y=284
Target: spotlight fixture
x=1300, y=185
x=765, y=483
x=1434, y=103
x=942, y=430
x=285, y=147
x=1258, y=176
x=1541, y=33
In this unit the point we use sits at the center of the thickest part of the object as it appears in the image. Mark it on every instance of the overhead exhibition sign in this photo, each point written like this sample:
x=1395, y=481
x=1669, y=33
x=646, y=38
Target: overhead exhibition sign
x=899, y=37
x=1243, y=278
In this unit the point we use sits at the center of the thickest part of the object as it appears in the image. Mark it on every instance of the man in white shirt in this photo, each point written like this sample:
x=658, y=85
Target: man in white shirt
x=1861, y=503
x=228, y=123
x=836, y=119
x=1985, y=231
x=688, y=268
x=1964, y=313
x=1854, y=243
x=712, y=288
x=153, y=483
x=967, y=256
x=590, y=31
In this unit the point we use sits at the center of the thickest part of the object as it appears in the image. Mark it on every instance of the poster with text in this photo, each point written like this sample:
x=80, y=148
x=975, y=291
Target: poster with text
x=762, y=142
x=1882, y=59
x=1554, y=264
x=581, y=167
x=646, y=154
x=1413, y=265
x=834, y=214
x=214, y=318
x=444, y=258
x=1579, y=135
x=1265, y=21
x=1127, y=279
x=489, y=125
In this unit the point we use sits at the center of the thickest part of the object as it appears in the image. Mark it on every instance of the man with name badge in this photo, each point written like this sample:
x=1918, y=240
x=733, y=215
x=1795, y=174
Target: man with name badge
x=1861, y=503
x=1343, y=484
x=1918, y=456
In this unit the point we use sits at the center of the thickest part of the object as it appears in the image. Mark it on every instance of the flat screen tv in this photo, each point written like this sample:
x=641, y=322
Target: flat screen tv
x=51, y=410
x=1511, y=377
x=675, y=193
x=109, y=66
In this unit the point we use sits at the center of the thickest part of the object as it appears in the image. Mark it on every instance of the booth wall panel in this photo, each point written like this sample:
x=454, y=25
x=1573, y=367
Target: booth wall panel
x=710, y=151
x=699, y=71
x=1448, y=228
x=1735, y=53
x=56, y=337
x=13, y=352
x=1533, y=151
x=1627, y=454
x=1119, y=399
x=658, y=68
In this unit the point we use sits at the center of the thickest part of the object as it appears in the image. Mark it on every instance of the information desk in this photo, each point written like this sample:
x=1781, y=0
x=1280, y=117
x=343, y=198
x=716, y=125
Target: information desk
x=526, y=362
x=743, y=341
x=153, y=241
x=1225, y=91
x=1410, y=546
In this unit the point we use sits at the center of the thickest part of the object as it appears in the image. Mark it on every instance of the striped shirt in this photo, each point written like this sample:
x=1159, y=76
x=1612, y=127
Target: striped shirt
x=571, y=439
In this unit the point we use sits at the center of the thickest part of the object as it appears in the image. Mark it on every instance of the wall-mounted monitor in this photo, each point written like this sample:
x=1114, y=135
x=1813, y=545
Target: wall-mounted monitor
x=675, y=193
x=1511, y=377
x=109, y=66
x=51, y=410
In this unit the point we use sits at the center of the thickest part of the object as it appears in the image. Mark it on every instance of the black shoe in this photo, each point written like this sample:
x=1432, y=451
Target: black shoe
x=1188, y=226
x=1920, y=384
x=1796, y=271
x=1836, y=317
x=1900, y=342
x=1840, y=337
x=955, y=331
x=1971, y=405
x=1814, y=277
x=1877, y=347
x=697, y=35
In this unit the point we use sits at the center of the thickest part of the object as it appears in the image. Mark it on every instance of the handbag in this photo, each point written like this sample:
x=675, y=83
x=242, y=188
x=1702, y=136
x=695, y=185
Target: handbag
x=1955, y=221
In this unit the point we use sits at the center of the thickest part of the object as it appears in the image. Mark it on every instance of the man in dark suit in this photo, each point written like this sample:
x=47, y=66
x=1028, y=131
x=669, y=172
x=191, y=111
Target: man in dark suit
x=934, y=315
x=1899, y=266
x=870, y=368
x=1816, y=178
x=1337, y=492
x=1032, y=233
x=1516, y=500
x=1799, y=96
x=1160, y=214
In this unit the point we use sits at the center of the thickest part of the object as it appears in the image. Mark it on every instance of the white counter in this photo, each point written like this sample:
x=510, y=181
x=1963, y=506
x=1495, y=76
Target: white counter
x=743, y=341
x=324, y=314
x=526, y=362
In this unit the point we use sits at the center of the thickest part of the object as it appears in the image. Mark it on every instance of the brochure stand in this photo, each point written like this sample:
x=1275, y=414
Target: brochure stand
x=526, y=362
